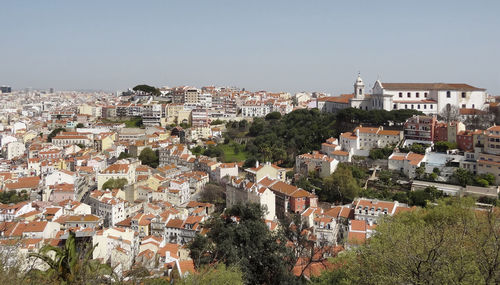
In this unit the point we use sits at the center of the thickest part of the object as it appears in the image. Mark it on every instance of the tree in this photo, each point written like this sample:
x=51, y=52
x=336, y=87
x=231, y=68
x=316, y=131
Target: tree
x=213, y=193
x=70, y=265
x=241, y=237
x=450, y=243
x=79, y=125
x=463, y=177
x=124, y=155
x=340, y=185
x=443, y=146
x=422, y=197
x=149, y=157
x=273, y=116
x=147, y=89
x=115, y=183
x=449, y=113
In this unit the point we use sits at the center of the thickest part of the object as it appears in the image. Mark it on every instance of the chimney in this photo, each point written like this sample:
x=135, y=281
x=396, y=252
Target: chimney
x=256, y=164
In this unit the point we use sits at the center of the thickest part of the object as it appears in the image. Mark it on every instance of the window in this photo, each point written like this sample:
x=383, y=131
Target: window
x=431, y=106
x=395, y=106
x=412, y=106
x=425, y=94
x=463, y=95
x=463, y=105
x=448, y=94
x=417, y=95
x=406, y=106
x=408, y=95
x=472, y=106
x=418, y=106
x=400, y=94
x=425, y=106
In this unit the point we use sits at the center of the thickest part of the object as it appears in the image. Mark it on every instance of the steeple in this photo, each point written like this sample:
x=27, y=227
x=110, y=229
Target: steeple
x=359, y=88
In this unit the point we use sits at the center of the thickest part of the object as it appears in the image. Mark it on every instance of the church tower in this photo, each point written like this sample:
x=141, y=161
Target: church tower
x=359, y=88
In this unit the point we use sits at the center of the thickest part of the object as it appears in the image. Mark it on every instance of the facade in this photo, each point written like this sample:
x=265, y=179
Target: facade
x=15, y=149
x=116, y=171
x=363, y=139
x=406, y=163
x=371, y=210
x=319, y=163
x=429, y=98
x=244, y=191
x=267, y=169
x=420, y=128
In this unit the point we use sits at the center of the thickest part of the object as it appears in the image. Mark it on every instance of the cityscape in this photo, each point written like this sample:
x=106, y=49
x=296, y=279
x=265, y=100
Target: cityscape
x=372, y=181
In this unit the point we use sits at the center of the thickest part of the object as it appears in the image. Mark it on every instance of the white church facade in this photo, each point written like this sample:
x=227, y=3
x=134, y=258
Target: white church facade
x=429, y=98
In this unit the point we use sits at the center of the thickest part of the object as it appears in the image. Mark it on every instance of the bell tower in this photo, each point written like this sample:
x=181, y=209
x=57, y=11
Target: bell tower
x=359, y=88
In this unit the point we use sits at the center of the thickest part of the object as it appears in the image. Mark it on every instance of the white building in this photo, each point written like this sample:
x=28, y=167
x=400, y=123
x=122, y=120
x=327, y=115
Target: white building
x=407, y=163
x=15, y=149
x=429, y=98
x=254, y=109
x=363, y=139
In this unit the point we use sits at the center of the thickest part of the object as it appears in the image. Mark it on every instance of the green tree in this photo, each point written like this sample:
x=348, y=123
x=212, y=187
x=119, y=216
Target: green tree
x=149, y=157
x=79, y=125
x=442, y=146
x=422, y=197
x=71, y=266
x=340, y=185
x=241, y=237
x=273, y=116
x=124, y=155
x=450, y=243
x=463, y=177
x=147, y=89
x=115, y=183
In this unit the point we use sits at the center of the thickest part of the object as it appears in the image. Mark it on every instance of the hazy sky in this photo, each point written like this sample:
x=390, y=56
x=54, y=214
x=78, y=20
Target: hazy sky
x=265, y=45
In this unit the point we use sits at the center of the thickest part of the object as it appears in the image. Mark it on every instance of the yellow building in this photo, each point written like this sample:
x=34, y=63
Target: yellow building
x=266, y=170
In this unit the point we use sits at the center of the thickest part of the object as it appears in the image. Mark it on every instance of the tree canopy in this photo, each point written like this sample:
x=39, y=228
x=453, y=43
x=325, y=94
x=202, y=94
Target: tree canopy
x=450, y=243
x=241, y=237
x=149, y=157
x=115, y=183
x=147, y=89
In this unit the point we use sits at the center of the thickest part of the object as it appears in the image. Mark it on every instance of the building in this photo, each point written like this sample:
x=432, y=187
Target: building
x=420, y=129
x=429, y=98
x=371, y=210
x=363, y=139
x=268, y=170
x=244, y=191
x=316, y=162
x=116, y=171
x=15, y=149
x=5, y=89
x=407, y=163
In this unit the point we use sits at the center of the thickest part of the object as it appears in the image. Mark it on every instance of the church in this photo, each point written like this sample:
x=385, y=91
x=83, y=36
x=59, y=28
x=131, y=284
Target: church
x=429, y=98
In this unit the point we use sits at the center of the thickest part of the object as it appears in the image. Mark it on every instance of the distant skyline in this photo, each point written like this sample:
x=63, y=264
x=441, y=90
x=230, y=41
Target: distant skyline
x=258, y=45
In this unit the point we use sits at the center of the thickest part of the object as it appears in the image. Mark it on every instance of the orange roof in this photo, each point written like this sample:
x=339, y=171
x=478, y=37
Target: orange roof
x=356, y=237
x=24, y=182
x=430, y=86
x=187, y=266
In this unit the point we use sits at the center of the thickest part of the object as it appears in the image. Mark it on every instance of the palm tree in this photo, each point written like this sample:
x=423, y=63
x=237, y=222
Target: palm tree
x=68, y=266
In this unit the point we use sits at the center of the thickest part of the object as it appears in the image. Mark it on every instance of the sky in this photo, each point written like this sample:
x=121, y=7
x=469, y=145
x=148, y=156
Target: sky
x=258, y=45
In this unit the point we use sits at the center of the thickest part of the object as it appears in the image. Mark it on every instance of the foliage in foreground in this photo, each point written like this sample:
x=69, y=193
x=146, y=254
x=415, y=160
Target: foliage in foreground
x=248, y=243
x=450, y=243
x=69, y=265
